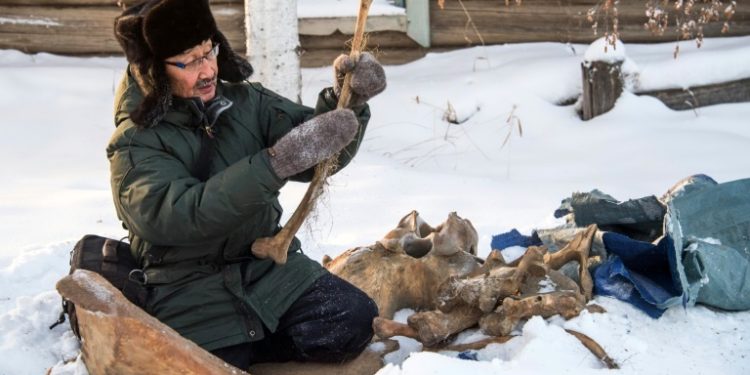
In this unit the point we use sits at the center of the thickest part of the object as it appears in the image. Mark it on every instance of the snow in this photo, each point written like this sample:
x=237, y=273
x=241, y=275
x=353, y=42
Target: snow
x=344, y=8
x=56, y=114
x=510, y=254
x=42, y=21
x=603, y=50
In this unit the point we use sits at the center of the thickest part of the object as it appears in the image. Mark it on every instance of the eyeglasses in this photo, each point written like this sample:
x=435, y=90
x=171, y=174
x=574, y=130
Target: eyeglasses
x=196, y=64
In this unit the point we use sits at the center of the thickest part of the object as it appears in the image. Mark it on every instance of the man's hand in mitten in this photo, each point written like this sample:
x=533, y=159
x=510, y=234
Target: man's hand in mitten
x=312, y=142
x=368, y=77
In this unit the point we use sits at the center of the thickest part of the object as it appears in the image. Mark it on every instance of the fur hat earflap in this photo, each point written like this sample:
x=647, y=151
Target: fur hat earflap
x=157, y=96
x=232, y=67
x=155, y=30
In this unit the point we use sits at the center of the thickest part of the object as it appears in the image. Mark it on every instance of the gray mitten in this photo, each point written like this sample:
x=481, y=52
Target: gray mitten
x=313, y=141
x=368, y=77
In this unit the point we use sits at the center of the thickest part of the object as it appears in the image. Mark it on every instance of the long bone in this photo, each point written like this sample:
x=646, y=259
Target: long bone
x=276, y=247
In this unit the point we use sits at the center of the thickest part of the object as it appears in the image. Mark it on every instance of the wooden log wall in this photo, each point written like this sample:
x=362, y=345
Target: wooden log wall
x=551, y=20
x=84, y=27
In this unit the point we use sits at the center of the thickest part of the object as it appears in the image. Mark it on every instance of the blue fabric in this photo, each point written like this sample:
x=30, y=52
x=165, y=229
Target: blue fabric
x=611, y=278
x=468, y=355
x=513, y=238
x=639, y=272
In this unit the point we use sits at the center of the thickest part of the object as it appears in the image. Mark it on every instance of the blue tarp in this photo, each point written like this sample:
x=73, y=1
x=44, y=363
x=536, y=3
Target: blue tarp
x=704, y=256
x=638, y=272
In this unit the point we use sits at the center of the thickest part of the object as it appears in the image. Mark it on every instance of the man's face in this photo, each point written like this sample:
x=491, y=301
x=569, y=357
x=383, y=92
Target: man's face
x=198, y=75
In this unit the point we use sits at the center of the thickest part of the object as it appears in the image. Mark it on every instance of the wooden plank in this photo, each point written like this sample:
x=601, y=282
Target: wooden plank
x=329, y=25
x=390, y=56
x=88, y=30
x=116, y=3
x=699, y=96
x=418, y=13
x=376, y=40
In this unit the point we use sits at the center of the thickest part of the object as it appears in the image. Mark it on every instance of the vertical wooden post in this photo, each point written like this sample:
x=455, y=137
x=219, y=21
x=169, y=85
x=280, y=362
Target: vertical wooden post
x=418, y=18
x=602, y=85
x=273, y=45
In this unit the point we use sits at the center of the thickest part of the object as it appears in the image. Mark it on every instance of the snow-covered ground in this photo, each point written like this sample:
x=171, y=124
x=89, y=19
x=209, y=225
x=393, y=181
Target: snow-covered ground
x=344, y=8
x=56, y=117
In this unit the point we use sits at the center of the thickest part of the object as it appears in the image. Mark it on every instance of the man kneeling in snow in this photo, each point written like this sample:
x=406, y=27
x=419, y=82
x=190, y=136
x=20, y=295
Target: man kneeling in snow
x=197, y=161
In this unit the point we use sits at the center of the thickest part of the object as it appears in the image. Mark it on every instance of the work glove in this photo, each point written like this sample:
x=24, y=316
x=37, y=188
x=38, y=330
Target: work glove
x=368, y=77
x=312, y=142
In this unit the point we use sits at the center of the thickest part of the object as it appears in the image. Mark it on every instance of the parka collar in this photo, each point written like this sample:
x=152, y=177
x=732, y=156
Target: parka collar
x=184, y=112
x=192, y=112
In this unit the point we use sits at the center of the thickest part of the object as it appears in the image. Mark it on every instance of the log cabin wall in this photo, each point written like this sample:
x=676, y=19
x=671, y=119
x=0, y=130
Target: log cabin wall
x=84, y=27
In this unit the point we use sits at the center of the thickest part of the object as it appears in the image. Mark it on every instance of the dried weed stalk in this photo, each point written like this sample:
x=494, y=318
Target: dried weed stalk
x=469, y=21
x=690, y=16
x=512, y=122
x=687, y=17
x=606, y=12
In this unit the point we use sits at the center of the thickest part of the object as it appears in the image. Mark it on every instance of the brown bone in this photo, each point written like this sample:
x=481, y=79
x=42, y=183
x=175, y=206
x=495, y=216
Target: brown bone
x=486, y=290
x=431, y=328
x=578, y=250
x=513, y=310
x=120, y=338
x=436, y=327
x=397, y=280
x=409, y=236
x=497, y=294
x=465, y=301
x=276, y=247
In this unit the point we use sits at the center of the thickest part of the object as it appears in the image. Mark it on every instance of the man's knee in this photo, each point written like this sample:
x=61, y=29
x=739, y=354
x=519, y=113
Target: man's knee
x=347, y=329
x=352, y=333
x=362, y=311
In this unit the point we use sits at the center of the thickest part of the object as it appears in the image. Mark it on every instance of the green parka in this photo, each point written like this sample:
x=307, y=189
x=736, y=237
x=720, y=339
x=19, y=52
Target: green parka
x=193, y=238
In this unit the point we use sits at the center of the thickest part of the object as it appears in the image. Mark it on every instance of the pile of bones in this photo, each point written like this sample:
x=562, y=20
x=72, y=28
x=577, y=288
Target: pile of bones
x=436, y=272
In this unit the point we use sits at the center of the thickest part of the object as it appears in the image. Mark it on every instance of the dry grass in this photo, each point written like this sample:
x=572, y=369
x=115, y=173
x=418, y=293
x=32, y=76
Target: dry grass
x=686, y=17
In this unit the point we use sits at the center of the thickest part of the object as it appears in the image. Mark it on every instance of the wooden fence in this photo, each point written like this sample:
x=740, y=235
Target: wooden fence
x=84, y=27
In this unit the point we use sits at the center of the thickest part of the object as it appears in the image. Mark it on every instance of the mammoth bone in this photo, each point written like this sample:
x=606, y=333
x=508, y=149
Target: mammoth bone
x=497, y=296
x=436, y=272
x=406, y=268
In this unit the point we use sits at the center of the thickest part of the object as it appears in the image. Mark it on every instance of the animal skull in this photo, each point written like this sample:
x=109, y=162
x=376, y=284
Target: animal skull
x=406, y=268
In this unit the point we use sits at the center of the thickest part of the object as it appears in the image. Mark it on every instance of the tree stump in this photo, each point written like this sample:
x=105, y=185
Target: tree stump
x=602, y=85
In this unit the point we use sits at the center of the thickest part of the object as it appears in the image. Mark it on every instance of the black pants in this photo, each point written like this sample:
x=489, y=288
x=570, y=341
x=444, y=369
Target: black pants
x=330, y=322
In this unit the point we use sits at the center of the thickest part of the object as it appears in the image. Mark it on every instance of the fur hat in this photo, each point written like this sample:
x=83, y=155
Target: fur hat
x=154, y=30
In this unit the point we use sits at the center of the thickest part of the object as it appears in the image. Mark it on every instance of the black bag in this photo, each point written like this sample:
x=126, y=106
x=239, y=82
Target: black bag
x=111, y=259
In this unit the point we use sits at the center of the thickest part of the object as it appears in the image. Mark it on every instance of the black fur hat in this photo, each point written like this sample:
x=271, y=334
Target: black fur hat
x=157, y=29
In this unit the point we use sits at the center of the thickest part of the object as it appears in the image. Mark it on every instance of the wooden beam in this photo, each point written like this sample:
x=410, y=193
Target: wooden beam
x=116, y=3
x=375, y=41
x=699, y=96
x=329, y=25
x=391, y=56
x=418, y=15
x=87, y=29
